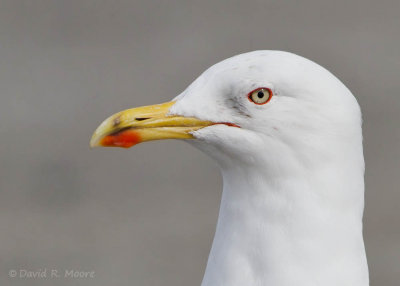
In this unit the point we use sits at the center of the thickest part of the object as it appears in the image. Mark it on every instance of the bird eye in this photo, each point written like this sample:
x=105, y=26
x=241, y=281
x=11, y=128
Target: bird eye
x=260, y=95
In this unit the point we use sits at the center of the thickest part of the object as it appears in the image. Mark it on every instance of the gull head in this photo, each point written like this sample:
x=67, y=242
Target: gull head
x=247, y=107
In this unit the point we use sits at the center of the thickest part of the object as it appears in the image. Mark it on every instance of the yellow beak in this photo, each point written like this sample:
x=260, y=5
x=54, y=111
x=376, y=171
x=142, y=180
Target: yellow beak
x=136, y=125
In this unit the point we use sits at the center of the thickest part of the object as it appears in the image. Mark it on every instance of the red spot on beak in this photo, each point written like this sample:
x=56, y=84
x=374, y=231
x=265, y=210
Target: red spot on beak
x=125, y=139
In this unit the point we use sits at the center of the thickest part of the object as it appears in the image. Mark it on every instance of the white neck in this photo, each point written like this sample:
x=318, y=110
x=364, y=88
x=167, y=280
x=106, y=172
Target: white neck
x=281, y=230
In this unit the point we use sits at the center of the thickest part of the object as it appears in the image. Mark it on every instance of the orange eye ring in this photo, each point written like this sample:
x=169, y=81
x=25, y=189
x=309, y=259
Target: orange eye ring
x=260, y=95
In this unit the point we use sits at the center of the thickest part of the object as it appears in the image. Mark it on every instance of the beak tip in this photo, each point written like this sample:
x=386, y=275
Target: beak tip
x=94, y=142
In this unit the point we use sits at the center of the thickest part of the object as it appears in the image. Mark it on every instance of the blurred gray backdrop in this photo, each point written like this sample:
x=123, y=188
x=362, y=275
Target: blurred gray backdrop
x=146, y=216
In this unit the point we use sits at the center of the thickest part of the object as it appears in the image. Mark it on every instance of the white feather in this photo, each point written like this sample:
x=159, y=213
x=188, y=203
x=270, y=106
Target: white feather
x=293, y=195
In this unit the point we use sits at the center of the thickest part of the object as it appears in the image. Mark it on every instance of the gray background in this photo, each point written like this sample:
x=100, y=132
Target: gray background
x=146, y=216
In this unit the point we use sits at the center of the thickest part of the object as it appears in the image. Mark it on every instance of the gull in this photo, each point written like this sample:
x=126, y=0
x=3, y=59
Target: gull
x=286, y=134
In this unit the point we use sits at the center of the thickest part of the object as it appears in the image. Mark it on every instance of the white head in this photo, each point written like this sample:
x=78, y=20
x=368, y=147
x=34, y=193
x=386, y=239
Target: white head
x=310, y=115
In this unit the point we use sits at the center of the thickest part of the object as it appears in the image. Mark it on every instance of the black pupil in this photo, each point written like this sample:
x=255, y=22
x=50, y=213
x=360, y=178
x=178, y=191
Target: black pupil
x=260, y=94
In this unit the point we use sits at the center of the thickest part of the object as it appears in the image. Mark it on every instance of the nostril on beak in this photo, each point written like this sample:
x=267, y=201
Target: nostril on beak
x=141, y=118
